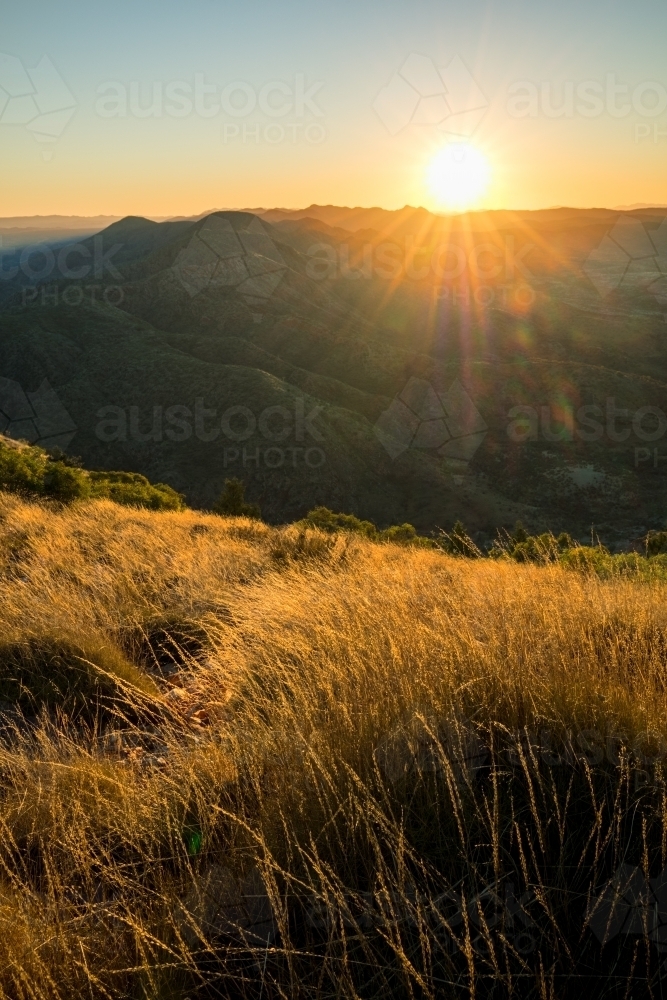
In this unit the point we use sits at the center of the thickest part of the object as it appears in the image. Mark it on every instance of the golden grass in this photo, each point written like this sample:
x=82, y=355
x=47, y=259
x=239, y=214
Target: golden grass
x=322, y=796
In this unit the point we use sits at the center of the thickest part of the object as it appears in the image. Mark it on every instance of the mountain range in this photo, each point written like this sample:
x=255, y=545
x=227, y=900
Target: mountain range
x=400, y=365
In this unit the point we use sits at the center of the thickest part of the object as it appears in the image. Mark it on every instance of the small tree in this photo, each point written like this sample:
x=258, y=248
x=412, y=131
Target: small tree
x=655, y=543
x=232, y=501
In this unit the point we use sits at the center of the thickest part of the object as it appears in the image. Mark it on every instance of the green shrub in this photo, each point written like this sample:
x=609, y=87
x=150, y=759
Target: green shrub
x=22, y=469
x=519, y=535
x=589, y=559
x=33, y=472
x=66, y=483
x=401, y=534
x=565, y=551
x=133, y=490
x=327, y=520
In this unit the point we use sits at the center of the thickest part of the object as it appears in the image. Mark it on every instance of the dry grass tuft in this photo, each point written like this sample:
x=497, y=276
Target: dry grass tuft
x=254, y=762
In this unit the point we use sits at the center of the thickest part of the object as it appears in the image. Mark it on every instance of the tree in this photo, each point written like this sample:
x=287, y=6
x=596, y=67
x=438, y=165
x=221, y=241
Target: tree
x=655, y=543
x=232, y=501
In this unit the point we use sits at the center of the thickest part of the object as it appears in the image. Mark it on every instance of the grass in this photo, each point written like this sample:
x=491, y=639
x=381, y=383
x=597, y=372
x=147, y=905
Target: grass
x=322, y=766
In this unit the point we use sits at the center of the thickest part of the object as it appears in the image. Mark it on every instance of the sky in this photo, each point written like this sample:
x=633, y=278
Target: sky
x=138, y=107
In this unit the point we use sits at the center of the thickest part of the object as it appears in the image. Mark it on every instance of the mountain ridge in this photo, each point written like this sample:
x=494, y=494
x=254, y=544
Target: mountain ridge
x=253, y=316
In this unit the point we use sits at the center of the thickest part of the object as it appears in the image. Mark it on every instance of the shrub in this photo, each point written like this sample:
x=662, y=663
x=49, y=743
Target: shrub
x=22, y=469
x=133, y=490
x=525, y=548
x=58, y=455
x=327, y=520
x=401, y=534
x=66, y=483
x=33, y=472
x=520, y=534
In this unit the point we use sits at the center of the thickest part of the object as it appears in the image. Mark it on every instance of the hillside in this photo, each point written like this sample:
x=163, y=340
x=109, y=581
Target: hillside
x=403, y=366
x=242, y=761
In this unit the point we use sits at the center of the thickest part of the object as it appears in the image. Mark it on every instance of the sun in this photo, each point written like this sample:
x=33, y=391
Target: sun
x=458, y=176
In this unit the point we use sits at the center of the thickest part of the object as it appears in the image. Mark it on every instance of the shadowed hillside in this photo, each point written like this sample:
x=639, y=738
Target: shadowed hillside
x=402, y=365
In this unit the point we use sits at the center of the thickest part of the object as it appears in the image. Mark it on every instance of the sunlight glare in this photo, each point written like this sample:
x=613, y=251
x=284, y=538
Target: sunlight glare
x=458, y=176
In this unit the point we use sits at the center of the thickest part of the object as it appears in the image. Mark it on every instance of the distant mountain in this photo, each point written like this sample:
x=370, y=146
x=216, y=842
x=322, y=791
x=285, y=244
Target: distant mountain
x=409, y=219
x=399, y=365
x=640, y=204
x=42, y=222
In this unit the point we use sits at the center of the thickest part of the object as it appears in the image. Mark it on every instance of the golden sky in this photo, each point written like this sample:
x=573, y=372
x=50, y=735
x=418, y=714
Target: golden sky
x=172, y=109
